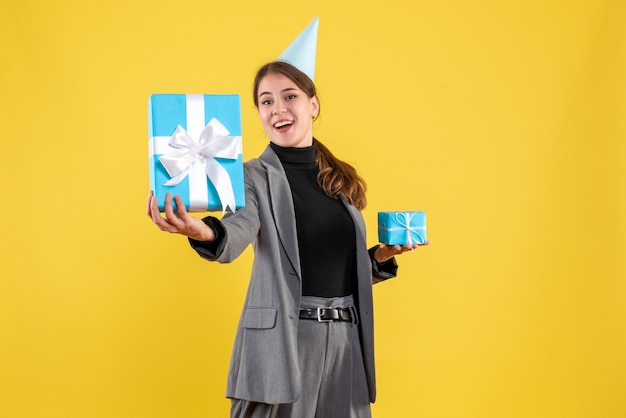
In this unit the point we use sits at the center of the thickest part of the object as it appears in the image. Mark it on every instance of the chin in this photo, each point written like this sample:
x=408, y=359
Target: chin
x=289, y=143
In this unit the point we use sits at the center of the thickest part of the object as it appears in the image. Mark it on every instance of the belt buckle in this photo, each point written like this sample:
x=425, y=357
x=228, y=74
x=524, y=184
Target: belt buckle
x=319, y=315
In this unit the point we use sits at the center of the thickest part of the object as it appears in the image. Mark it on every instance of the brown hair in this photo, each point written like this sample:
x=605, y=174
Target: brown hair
x=336, y=178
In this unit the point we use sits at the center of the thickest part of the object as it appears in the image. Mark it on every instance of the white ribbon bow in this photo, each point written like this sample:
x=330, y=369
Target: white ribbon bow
x=197, y=155
x=410, y=229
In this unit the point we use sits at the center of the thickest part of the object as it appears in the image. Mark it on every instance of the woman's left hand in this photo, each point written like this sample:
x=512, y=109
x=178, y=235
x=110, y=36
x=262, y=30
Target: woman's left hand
x=386, y=252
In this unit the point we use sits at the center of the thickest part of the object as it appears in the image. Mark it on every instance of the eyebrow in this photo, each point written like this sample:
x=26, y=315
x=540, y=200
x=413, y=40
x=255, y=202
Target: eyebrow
x=282, y=91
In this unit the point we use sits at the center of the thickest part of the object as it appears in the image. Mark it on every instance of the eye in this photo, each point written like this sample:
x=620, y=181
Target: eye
x=266, y=102
x=291, y=96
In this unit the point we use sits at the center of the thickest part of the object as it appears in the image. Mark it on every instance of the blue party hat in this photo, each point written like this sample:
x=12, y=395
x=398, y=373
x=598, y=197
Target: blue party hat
x=301, y=52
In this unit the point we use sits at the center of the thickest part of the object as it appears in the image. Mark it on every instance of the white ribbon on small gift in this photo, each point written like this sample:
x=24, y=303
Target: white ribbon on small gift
x=192, y=153
x=404, y=219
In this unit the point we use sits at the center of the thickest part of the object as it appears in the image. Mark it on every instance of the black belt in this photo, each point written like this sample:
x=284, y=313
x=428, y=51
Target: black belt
x=330, y=314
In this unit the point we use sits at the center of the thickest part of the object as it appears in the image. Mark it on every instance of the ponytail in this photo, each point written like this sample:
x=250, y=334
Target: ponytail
x=338, y=178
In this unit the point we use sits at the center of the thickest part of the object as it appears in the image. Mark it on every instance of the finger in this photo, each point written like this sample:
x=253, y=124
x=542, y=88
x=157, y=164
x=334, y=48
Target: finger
x=155, y=214
x=148, y=204
x=181, y=211
x=161, y=223
x=171, y=217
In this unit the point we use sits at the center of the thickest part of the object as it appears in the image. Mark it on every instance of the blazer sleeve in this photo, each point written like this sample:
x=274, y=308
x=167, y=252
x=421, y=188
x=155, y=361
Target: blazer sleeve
x=235, y=231
x=211, y=250
x=382, y=271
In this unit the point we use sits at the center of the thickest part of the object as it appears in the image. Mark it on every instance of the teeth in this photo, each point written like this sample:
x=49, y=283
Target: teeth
x=281, y=124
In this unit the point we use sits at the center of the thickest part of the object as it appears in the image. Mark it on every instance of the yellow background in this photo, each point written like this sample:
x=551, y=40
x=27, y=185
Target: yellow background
x=504, y=121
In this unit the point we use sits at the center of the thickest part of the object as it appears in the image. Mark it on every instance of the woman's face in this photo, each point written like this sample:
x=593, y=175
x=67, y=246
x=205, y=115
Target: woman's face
x=286, y=112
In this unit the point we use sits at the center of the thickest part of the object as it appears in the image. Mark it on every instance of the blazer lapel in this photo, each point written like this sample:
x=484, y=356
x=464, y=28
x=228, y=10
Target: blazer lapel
x=358, y=221
x=362, y=256
x=282, y=207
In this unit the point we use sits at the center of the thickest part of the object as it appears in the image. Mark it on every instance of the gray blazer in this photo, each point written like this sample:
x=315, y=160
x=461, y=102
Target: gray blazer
x=264, y=364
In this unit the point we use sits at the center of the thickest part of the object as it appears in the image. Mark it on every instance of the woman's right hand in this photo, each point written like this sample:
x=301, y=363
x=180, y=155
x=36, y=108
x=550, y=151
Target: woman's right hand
x=179, y=221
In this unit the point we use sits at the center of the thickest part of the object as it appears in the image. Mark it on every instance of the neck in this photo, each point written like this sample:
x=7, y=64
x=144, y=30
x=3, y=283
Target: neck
x=304, y=155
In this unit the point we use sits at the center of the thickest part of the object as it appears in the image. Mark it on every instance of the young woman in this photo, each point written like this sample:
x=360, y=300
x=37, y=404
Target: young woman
x=304, y=345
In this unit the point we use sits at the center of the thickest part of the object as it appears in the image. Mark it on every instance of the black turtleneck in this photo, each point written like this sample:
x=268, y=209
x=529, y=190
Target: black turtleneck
x=326, y=234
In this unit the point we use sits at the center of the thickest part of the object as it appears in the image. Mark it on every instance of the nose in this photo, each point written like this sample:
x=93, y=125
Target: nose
x=278, y=107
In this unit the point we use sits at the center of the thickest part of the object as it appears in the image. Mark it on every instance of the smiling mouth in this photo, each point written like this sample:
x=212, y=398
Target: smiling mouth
x=283, y=124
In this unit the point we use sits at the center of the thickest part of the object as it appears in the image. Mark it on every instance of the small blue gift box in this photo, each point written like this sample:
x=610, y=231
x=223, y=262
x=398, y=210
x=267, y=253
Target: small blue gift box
x=195, y=150
x=399, y=228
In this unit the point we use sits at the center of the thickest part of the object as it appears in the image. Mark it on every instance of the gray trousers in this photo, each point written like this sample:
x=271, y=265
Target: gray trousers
x=333, y=375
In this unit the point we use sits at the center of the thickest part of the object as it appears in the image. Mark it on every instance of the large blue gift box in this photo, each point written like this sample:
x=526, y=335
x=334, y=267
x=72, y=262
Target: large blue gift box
x=195, y=150
x=399, y=228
